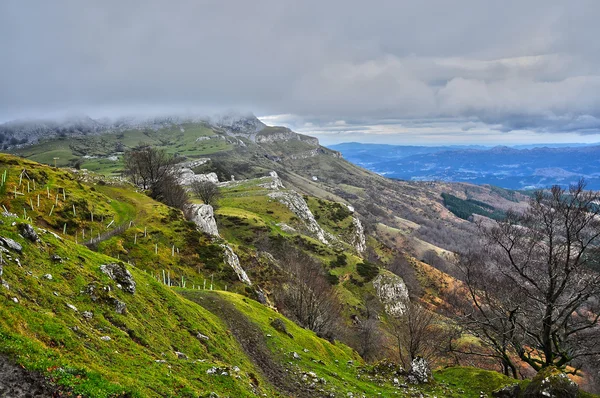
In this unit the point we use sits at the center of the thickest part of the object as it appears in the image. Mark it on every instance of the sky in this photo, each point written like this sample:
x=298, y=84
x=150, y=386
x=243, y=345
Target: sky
x=403, y=72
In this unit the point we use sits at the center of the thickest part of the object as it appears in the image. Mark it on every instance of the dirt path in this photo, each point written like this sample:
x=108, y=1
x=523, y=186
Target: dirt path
x=16, y=382
x=252, y=340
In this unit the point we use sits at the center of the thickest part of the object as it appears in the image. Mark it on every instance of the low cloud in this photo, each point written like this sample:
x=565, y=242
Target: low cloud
x=339, y=67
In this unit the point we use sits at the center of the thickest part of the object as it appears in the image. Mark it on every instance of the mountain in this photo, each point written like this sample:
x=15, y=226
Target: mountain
x=121, y=295
x=507, y=167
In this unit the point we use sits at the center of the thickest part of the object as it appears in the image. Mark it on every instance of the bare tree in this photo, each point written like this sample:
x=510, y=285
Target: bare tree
x=369, y=336
x=307, y=296
x=402, y=267
x=486, y=307
x=207, y=191
x=146, y=166
x=539, y=291
x=168, y=191
x=416, y=333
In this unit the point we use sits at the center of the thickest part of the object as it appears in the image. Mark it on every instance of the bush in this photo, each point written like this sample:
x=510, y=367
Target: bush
x=367, y=270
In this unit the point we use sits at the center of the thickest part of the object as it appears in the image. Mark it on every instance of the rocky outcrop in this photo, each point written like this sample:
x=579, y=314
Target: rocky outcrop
x=275, y=134
x=272, y=181
x=234, y=262
x=392, y=292
x=296, y=203
x=186, y=175
x=120, y=274
x=203, y=216
x=359, y=241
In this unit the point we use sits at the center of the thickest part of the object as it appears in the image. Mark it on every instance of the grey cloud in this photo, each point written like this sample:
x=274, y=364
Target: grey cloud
x=508, y=65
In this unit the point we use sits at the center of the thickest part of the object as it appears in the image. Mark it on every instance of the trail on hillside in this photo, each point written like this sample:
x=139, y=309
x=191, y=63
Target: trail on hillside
x=16, y=382
x=252, y=340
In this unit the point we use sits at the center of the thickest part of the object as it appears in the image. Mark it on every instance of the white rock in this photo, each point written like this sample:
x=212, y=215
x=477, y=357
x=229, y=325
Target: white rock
x=203, y=216
x=16, y=300
x=234, y=262
x=48, y=276
x=105, y=338
x=392, y=292
x=296, y=203
x=359, y=240
x=71, y=306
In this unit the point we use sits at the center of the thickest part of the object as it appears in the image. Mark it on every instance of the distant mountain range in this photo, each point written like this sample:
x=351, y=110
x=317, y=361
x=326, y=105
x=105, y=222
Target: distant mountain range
x=518, y=167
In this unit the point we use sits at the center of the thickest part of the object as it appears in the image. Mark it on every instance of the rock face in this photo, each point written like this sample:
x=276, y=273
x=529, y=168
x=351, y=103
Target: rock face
x=273, y=181
x=392, y=292
x=551, y=383
x=204, y=218
x=283, y=134
x=232, y=260
x=121, y=275
x=28, y=232
x=296, y=203
x=359, y=241
x=420, y=372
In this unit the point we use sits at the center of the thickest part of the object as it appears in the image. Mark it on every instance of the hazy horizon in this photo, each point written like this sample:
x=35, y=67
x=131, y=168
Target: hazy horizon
x=465, y=72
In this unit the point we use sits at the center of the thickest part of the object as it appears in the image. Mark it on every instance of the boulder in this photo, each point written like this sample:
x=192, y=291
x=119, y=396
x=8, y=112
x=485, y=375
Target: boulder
x=28, y=232
x=11, y=244
x=203, y=216
x=120, y=274
x=420, y=372
x=551, y=383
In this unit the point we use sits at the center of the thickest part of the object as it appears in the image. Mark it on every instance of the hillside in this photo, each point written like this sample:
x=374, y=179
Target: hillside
x=126, y=333
x=292, y=216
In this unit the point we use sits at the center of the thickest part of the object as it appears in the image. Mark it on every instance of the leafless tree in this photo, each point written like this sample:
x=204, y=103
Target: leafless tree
x=207, y=191
x=307, y=297
x=146, y=165
x=536, y=286
x=402, y=267
x=486, y=307
x=416, y=333
x=369, y=335
x=168, y=191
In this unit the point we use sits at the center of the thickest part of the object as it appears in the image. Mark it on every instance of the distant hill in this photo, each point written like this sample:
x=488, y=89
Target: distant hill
x=506, y=167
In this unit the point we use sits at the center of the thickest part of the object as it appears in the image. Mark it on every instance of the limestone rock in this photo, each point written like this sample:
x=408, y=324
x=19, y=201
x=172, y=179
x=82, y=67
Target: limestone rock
x=420, y=372
x=392, y=292
x=272, y=181
x=296, y=203
x=359, y=240
x=234, y=262
x=203, y=216
x=11, y=244
x=120, y=307
x=120, y=274
x=28, y=232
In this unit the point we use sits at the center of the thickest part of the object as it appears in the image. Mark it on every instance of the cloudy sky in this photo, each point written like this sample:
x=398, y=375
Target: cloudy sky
x=462, y=71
